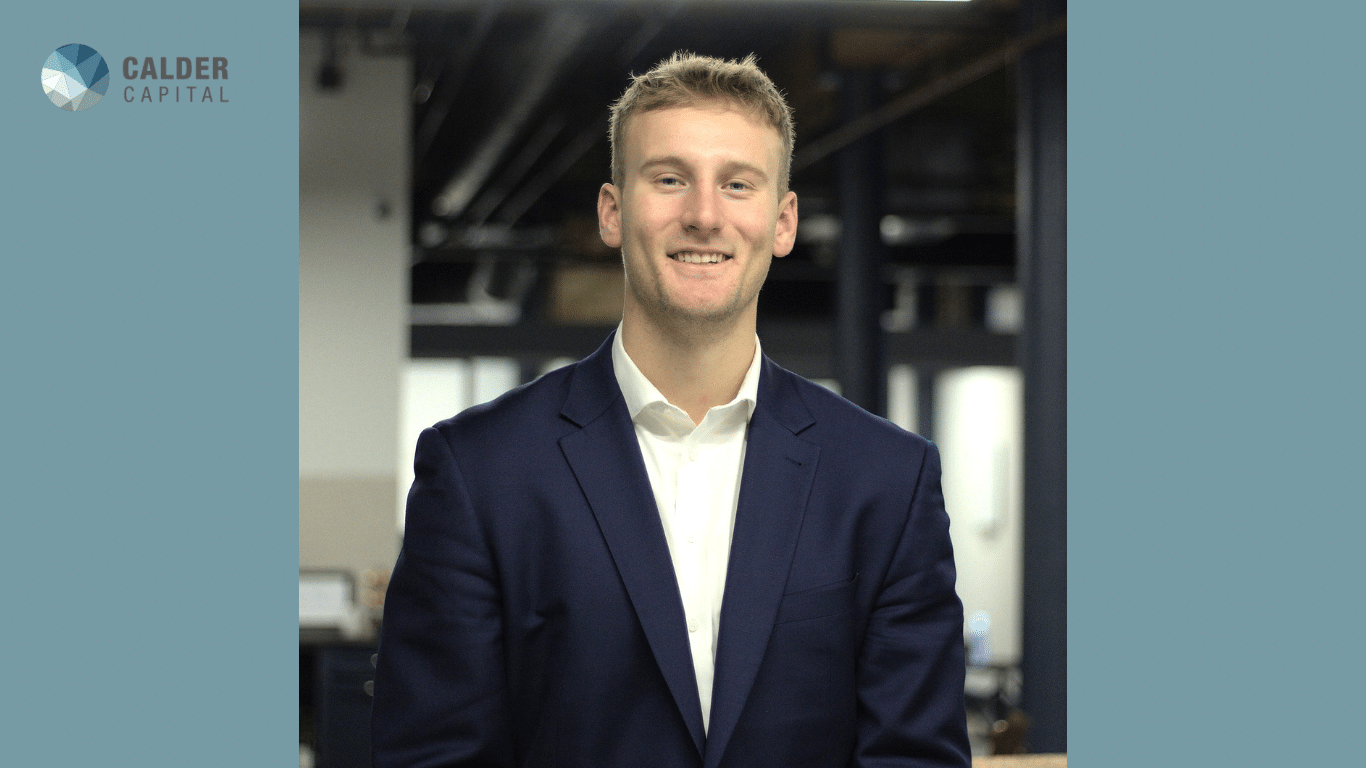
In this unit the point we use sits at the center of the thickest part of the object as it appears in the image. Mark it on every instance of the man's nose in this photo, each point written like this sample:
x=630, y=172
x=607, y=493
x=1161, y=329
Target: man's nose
x=700, y=213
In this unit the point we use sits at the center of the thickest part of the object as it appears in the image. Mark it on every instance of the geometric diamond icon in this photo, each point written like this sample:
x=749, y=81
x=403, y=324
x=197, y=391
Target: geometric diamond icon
x=75, y=77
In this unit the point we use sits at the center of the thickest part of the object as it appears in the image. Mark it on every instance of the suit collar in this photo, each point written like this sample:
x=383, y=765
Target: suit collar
x=641, y=393
x=778, y=395
x=593, y=387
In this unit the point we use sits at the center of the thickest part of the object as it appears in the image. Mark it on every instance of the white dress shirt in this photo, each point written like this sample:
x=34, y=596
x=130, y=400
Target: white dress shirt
x=695, y=475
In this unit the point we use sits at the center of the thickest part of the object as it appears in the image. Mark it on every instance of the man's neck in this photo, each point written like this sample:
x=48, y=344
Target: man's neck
x=694, y=370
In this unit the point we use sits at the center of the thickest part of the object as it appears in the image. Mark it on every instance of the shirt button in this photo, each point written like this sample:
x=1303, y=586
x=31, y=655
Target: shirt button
x=692, y=626
x=692, y=454
x=691, y=539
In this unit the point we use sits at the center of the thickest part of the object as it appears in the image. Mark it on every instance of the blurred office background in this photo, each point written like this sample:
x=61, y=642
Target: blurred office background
x=450, y=156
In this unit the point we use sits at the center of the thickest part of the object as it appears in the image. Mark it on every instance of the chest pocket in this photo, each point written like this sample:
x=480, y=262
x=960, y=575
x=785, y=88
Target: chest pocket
x=818, y=602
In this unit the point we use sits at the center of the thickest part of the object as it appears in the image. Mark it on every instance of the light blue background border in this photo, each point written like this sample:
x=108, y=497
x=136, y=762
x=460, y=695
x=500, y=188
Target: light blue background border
x=1215, y=390
x=148, y=354
x=148, y=340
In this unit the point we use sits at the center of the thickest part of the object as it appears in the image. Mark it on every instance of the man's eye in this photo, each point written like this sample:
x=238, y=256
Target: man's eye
x=737, y=186
x=669, y=181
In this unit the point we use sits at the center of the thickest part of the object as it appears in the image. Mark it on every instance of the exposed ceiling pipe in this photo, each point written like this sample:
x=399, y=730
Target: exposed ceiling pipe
x=516, y=170
x=487, y=202
x=559, y=36
x=469, y=48
x=647, y=32
x=552, y=171
x=903, y=105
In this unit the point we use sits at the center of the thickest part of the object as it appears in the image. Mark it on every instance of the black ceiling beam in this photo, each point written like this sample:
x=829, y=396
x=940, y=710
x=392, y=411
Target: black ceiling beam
x=802, y=346
x=496, y=193
x=559, y=36
x=452, y=78
x=552, y=170
x=925, y=95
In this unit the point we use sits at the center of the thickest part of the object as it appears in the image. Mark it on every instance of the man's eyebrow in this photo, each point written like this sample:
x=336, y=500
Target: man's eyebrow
x=727, y=168
x=739, y=166
x=667, y=161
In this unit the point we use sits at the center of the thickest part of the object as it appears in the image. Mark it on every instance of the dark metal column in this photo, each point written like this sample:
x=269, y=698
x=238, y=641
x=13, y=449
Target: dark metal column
x=1042, y=263
x=528, y=370
x=925, y=376
x=859, y=297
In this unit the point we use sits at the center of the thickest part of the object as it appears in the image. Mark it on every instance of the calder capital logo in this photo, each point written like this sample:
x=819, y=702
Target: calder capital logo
x=75, y=77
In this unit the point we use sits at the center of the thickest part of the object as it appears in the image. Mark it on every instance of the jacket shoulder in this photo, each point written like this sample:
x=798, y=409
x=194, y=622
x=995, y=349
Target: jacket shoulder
x=530, y=409
x=838, y=419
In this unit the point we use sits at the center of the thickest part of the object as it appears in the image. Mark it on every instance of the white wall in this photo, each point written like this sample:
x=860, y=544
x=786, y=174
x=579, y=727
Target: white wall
x=902, y=394
x=354, y=147
x=979, y=428
x=437, y=389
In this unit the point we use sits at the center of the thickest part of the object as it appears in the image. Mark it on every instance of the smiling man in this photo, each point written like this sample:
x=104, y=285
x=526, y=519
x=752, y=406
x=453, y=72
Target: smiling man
x=674, y=552
x=699, y=206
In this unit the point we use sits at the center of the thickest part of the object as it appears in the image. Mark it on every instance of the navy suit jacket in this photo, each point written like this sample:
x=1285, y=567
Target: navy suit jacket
x=533, y=617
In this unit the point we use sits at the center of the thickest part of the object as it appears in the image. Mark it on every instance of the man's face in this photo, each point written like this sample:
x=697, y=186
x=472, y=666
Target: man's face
x=699, y=215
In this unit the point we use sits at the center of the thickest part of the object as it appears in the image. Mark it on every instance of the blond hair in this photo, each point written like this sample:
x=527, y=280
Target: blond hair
x=687, y=79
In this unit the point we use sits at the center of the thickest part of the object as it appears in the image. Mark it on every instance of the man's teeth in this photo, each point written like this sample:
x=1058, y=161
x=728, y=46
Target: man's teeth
x=689, y=257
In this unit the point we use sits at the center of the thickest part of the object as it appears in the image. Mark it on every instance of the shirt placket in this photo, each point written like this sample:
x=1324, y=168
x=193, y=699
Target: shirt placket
x=690, y=510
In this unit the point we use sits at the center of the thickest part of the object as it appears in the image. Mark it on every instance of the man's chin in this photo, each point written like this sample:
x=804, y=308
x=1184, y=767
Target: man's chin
x=695, y=311
x=703, y=317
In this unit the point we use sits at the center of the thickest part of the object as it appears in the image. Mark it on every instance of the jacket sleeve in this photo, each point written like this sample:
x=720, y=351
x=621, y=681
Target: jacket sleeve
x=911, y=666
x=440, y=687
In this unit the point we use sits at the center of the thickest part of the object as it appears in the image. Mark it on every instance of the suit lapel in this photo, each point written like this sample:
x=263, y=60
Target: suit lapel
x=606, y=460
x=774, y=487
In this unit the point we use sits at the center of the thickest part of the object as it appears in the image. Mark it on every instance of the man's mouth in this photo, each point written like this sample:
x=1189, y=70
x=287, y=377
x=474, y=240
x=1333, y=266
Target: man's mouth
x=699, y=257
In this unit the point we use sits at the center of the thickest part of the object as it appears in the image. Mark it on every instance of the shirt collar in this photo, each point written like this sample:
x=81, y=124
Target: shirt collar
x=640, y=393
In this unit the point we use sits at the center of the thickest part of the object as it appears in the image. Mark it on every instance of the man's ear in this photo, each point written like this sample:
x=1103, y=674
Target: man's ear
x=609, y=215
x=785, y=234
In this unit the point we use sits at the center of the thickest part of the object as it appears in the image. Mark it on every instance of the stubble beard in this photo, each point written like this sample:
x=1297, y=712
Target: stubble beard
x=681, y=323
